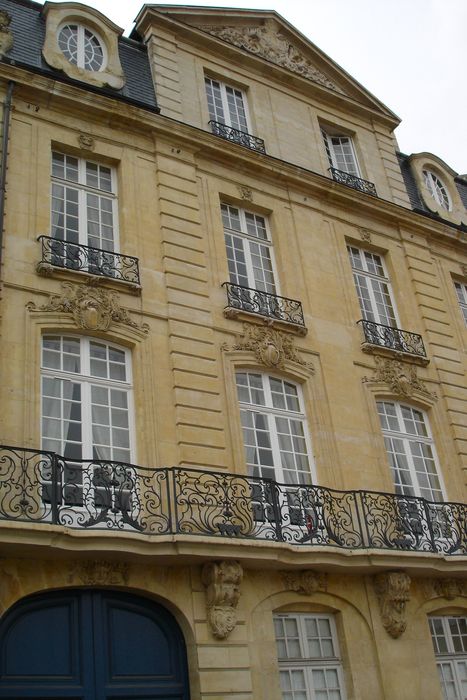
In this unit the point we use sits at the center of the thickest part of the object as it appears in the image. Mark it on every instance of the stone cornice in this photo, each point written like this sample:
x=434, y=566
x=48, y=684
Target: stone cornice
x=200, y=141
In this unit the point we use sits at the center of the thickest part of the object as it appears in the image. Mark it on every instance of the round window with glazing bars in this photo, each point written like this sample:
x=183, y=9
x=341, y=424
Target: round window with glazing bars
x=82, y=47
x=437, y=190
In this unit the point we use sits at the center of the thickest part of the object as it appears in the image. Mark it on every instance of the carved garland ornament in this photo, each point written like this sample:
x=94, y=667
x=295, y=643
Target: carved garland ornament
x=268, y=43
x=272, y=348
x=99, y=573
x=222, y=582
x=393, y=591
x=6, y=37
x=448, y=588
x=305, y=582
x=92, y=308
x=401, y=379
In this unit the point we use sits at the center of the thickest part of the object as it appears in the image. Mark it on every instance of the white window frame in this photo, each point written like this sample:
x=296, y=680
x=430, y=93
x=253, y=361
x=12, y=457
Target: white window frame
x=437, y=189
x=369, y=276
x=248, y=241
x=86, y=380
x=82, y=485
x=461, y=291
x=305, y=665
x=449, y=660
x=277, y=471
x=226, y=117
x=83, y=189
x=414, y=489
x=331, y=152
x=80, y=57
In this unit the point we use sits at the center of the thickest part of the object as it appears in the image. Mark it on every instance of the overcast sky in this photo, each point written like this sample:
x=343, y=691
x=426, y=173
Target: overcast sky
x=409, y=53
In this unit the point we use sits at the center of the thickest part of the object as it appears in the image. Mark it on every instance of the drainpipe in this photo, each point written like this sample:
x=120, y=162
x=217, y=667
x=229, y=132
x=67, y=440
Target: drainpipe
x=3, y=162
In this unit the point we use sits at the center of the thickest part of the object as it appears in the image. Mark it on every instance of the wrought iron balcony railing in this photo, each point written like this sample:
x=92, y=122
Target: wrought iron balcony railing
x=354, y=181
x=42, y=487
x=272, y=306
x=392, y=338
x=237, y=136
x=74, y=256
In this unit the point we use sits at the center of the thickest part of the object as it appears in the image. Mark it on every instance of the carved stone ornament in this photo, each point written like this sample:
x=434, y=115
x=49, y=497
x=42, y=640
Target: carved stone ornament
x=365, y=234
x=269, y=43
x=448, y=588
x=92, y=308
x=401, y=379
x=99, y=573
x=245, y=193
x=272, y=348
x=305, y=582
x=222, y=582
x=87, y=142
x=6, y=37
x=464, y=270
x=393, y=591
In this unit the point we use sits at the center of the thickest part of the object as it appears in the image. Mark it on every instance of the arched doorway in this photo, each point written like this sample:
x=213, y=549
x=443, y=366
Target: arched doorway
x=91, y=645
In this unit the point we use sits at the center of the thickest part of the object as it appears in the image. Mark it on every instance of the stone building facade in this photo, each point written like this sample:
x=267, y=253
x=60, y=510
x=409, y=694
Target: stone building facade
x=233, y=370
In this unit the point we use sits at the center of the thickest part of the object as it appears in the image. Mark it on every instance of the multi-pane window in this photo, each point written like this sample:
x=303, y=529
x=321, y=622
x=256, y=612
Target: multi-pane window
x=461, y=291
x=410, y=450
x=227, y=105
x=437, y=190
x=310, y=665
x=86, y=399
x=274, y=428
x=249, y=249
x=449, y=635
x=373, y=287
x=81, y=47
x=341, y=153
x=83, y=203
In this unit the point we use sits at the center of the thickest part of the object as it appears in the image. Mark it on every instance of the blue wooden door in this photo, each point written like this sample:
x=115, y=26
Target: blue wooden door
x=92, y=645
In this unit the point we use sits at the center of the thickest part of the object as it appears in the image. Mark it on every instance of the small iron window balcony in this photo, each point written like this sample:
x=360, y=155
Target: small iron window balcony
x=272, y=306
x=83, y=258
x=393, y=338
x=241, y=137
x=354, y=181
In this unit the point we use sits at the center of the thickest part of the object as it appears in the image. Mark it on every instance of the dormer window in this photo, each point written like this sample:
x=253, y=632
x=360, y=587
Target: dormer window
x=81, y=46
x=437, y=190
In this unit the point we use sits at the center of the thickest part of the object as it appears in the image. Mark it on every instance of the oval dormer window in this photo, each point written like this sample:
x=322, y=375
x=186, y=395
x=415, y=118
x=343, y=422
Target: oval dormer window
x=82, y=47
x=437, y=190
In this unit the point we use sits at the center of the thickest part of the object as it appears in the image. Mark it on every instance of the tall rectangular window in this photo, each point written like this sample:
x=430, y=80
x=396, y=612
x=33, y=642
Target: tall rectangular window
x=275, y=433
x=373, y=287
x=461, y=291
x=340, y=152
x=449, y=635
x=410, y=450
x=249, y=249
x=227, y=105
x=84, y=202
x=310, y=664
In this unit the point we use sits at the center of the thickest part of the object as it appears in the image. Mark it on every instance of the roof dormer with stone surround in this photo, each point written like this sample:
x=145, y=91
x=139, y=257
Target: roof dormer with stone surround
x=250, y=71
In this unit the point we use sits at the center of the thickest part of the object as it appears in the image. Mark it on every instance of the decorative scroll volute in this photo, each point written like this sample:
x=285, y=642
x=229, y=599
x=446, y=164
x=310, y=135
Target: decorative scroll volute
x=393, y=591
x=401, y=379
x=272, y=348
x=222, y=582
x=92, y=308
x=305, y=582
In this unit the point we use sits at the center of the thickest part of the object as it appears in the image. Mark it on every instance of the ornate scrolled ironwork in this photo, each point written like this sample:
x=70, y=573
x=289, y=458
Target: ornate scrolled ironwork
x=243, y=138
x=392, y=338
x=84, y=258
x=255, y=301
x=357, y=183
x=40, y=486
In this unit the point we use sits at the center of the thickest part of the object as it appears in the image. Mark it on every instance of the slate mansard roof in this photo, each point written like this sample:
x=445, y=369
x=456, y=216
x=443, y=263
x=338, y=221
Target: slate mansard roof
x=28, y=29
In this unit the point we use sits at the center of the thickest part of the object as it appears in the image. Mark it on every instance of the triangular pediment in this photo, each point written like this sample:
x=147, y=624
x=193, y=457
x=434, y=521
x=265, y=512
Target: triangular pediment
x=268, y=36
